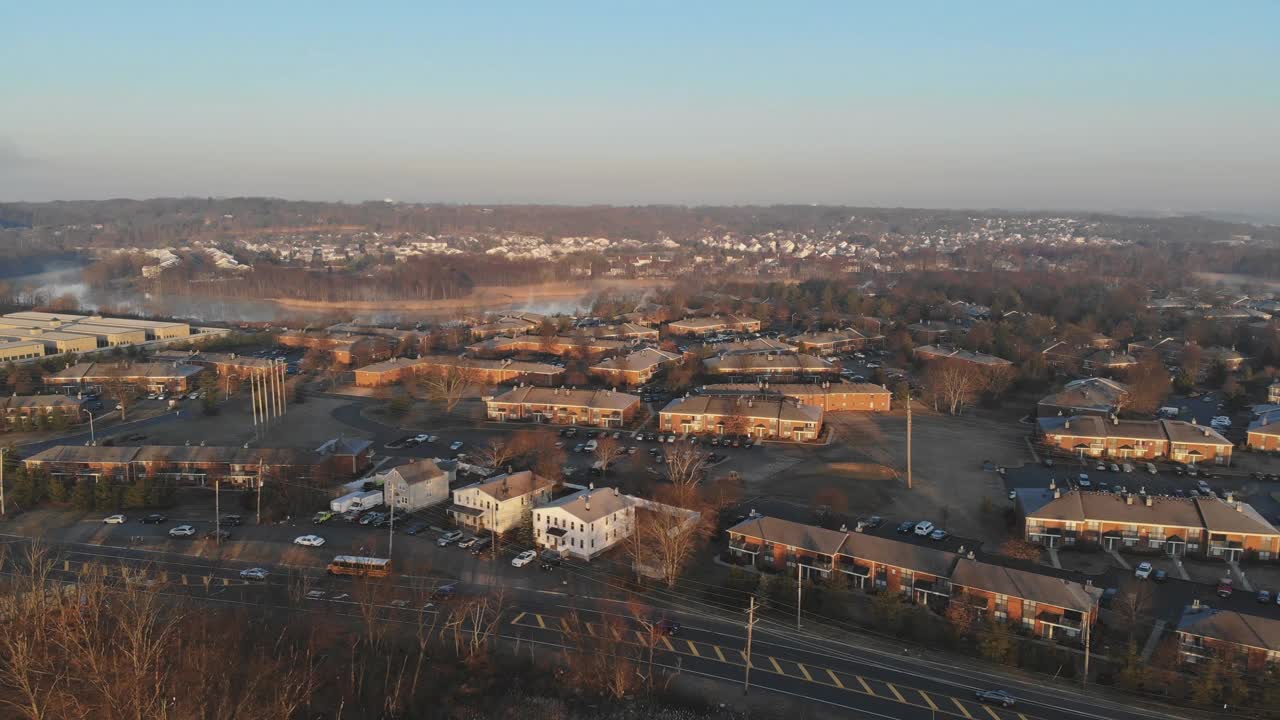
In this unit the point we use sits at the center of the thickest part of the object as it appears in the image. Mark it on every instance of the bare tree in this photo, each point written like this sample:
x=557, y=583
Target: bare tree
x=121, y=387
x=496, y=454
x=953, y=384
x=684, y=469
x=448, y=385
x=668, y=538
x=607, y=450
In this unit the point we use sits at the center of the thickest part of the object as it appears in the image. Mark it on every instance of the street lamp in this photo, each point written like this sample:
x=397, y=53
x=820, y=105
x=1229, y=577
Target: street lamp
x=93, y=440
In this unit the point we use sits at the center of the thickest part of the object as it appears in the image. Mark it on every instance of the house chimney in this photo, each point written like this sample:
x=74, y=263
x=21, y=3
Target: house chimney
x=1195, y=604
x=1128, y=499
x=1053, y=484
x=1231, y=497
x=616, y=493
x=1057, y=493
x=1149, y=501
x=1067, y=425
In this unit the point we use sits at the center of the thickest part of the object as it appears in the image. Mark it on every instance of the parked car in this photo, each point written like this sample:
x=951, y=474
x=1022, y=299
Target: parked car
x=523, y=558
x=1143, y=571
x=231, y=520
x=996, y=697
x=1160, y=576
x=1264, y=597
x=309, y=540
x=449, y=538
x=481, y=545
x=182, y=531
x=415, y=527
x=549, y=560
x=455, y=445
x=254, y=574
x=870, y=523
x=444, y=592
x=113, y=520
x=938, y=535
x=923, y=528
x=906, y=526
x=323, y=516
x=1226, y=586
x=1100, y=467
x=1083, y=480
x=467, y=542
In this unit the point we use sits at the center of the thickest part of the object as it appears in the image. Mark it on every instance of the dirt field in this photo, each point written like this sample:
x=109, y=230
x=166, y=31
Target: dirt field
x=866, y=464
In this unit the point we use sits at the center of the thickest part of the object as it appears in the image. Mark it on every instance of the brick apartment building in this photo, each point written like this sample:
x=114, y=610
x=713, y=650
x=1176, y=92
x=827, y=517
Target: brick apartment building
x=1090, y=436
x=1044, y=602
x=937, y=352
x=20, y=410
x=1208, y=527
x=480, y=370
x=346, y=349
x=1088, y=396
x=563, y=406
x=184, y=464
x=765, y=418
x=553, y=345
x=698, y=326
x=164, y=377
x=830, y=342
x=636, y=368
x=770, y=365
x=1248, y=641
x=830, y=396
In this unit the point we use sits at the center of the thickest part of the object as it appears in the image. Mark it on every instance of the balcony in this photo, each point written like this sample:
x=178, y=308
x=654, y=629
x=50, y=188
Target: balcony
x=819, y=562
x=1062, y=620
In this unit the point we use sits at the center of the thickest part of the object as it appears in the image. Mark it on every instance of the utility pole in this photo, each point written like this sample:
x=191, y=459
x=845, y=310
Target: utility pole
x=259, y=520
x=1, y=482
x=493, y=537
x=1084, y=678
x=253, y=403
x=799, y=589
x=217, y=513
x=908, y=438
x=391, y=531
x=93, y=440
x=751, y=626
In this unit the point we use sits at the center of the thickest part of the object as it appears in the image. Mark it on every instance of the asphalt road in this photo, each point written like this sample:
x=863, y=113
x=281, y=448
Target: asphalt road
x=872, y=682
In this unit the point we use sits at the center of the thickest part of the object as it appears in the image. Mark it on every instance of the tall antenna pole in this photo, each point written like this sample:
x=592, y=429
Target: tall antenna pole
x=908, y=438
x=253, y=402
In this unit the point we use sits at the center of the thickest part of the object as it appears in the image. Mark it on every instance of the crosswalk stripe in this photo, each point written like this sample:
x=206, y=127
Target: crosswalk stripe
x=895, y=692
x=1021, y=716
x=963, y=709
x=518, y=618
x=641, y=638
x=932, y=705
x=804, y=670
x=745, y=659
x=693, y=649
x=991, y=712
x=835, y=679
x=865, y=687
x=776, y=666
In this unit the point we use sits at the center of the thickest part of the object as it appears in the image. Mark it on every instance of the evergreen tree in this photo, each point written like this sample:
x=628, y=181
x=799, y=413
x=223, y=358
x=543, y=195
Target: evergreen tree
x=136, y=494
x=82, y=496
x=105, y=496
x=58, y=491
x=997, y=643
x=1208, y=684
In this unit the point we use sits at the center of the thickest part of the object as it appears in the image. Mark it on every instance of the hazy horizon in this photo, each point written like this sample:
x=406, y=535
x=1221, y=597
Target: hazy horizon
x=1170, y=108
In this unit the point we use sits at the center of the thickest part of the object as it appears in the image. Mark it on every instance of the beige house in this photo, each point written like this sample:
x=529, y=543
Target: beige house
x=499, y=503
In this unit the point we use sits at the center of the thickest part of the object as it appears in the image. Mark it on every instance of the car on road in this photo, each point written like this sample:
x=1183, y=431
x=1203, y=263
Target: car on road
x=323, y=516
x=254, y=574
x=182, y=531
x=467, y=542
x=481, y=546
x=996, y=697
x=667, y=627
x=113, y=520
x=231, y=520
x=938, y=535
x=1226, y=586
x=1160, y=576
x=1143, y=571
x=906, y=526
x=549, y=560
x=455, y=445
x=218, y=534
x=153, y=519
x=309, y=540
x=415, y=527
x=523, y=558
x=449, y=538
x=924, y=527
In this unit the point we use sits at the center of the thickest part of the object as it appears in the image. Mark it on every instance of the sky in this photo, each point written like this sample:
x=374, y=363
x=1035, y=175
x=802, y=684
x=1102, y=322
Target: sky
x=1159, y=106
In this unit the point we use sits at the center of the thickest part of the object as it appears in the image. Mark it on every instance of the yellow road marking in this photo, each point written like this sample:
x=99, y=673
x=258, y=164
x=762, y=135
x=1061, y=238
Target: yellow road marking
x=641, y=638
x=776, y=666
x=835, y=679
x=565, y=624
x=617, y=634
x=541, y=624
x=866, y=688
x=805, y=671
x=745, y=659
x=992, y=712
x=591, y=628
x=932, y=705
x=719, y=654
x=518, y=618
x=1021, y=716
x=963, y=709
x=693, y=649
x=667, y=642
x=896, y=694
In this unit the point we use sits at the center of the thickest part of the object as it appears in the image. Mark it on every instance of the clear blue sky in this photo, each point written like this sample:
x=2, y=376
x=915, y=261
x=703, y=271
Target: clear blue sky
x=1155, y=105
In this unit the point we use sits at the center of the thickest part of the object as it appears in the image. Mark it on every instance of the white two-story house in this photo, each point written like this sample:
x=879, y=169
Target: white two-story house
x=585, y=523
x=415, y=485
x=499, y=503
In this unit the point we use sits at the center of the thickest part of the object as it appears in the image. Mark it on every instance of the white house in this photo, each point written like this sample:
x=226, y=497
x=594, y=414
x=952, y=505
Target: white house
x=499, y=502
x=415, y=485
x=585, y=523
